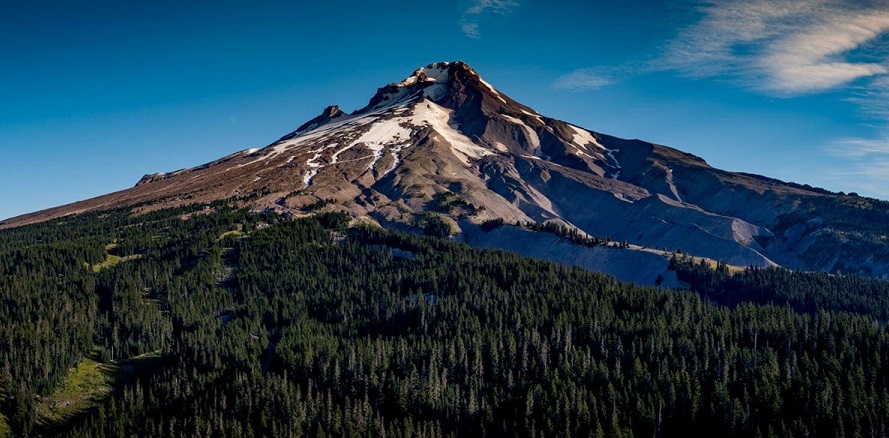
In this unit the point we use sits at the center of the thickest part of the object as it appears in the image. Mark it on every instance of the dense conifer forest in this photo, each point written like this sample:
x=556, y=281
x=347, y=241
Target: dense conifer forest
x=216, y=321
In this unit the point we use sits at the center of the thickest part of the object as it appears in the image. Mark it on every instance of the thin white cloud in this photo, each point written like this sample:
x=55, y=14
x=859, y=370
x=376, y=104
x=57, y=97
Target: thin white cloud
x=812, y=59
x=783, y=47
x=864, y=163
x=799, y=47
x=874, y=99
x=859, y=148
x=469, y=21
x=470, y=29
x=866, y=178
x=582, y=80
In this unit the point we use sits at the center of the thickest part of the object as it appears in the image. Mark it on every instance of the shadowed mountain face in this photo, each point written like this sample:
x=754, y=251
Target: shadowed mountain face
x=446, y=141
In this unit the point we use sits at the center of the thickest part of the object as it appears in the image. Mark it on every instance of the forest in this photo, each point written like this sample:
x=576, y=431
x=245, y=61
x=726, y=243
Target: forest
x=210, y=320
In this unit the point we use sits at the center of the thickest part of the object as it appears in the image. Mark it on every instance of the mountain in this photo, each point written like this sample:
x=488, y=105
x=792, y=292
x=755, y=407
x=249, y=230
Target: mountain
x=444, y=143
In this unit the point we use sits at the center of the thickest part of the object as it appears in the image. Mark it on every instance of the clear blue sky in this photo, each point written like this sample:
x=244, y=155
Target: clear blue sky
x=95, y=94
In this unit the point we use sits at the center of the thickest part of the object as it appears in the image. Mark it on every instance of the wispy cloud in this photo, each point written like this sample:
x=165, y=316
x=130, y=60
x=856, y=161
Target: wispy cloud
x=783, y=47
x=874, y=99
x=469, y=21
x=859, y=148
x=583, y=80
x=790, y=48
x=864, y=163
x=812, y=60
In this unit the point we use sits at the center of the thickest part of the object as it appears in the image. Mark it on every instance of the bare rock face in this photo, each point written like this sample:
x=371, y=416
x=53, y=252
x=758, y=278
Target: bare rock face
x=324, y=118
x=443, y=141
x=151, y=178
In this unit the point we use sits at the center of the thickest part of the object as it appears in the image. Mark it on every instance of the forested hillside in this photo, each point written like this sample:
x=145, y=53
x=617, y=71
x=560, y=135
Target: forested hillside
x=213, y=321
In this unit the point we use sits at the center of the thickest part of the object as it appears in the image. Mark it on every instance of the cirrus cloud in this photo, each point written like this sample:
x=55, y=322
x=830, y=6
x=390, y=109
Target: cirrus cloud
x=861, y=163
x=790, y=48
x=469, y=21
x=582, y=80
x=782, y=47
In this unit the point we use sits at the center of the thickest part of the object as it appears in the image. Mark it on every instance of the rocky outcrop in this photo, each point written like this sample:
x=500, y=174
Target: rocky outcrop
x=329, y=113
x=149, y=178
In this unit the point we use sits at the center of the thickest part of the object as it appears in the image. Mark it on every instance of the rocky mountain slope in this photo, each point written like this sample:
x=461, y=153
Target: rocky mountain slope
x=445, y=142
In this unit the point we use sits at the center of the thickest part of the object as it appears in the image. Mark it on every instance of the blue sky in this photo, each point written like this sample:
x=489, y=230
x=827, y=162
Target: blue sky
x=95, y=94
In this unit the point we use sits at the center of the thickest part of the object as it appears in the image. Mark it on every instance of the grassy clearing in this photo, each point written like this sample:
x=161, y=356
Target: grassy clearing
x=84, y=387
x=237, y=232
x=112, y=260
x=87, y=386
x=5, y=431
x=732, y=269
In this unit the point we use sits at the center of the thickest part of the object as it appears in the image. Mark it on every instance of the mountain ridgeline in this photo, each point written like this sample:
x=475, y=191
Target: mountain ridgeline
x=444, y=131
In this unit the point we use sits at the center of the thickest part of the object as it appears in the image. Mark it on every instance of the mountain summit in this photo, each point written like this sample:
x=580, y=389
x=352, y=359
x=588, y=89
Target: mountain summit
x=444, y=142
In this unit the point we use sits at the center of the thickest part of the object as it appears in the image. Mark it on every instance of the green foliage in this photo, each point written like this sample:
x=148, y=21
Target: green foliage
x=334, y=220
x=492, y=224
x=85, y=385
x=805, y=292
x=312, y=332
x=836, y=228
x=319, y=205
x=561, y=230
x=452, y=204
x=436, y=226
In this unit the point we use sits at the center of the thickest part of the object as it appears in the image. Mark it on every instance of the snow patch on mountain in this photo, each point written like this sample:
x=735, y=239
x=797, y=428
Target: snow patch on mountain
x=434, y=72
x=582, y=138
x=314, y=164
x=384, y=133
x=613, y=162
x=270, y=153
x=536, y=116
x=437, y=72
x=395, y=152
x=307, y=179
x=401, y=95
x=438, y=118
x=436, y=92
x=403, y=91
x=493, y=90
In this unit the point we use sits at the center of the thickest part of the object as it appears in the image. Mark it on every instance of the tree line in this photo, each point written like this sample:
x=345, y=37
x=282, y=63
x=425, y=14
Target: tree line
x=308, y=328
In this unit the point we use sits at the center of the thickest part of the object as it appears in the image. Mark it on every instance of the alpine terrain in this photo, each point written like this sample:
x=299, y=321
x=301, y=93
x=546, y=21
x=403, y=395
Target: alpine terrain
x=258, y=295
x=445, y=146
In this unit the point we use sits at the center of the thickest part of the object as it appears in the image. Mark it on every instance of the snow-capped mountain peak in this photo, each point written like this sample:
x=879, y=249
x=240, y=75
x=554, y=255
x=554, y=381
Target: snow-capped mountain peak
x=444, y=103
x=432, y=81
x=437, y=72
x=444, y=140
